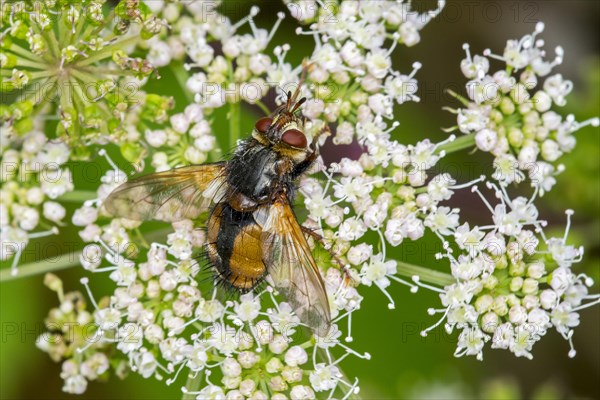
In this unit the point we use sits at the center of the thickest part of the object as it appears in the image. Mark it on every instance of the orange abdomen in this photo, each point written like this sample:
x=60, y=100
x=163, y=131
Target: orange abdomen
x=235, y=247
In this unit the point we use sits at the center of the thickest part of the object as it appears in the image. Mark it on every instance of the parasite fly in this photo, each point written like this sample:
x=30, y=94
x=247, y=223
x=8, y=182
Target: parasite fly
x=252, y=230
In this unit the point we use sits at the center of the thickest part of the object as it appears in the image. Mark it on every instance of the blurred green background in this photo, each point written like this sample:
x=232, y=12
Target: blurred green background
x=403, y=364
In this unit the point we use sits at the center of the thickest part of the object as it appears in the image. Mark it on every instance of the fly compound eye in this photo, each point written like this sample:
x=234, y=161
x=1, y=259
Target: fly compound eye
x=294, y=138
x=263, y=124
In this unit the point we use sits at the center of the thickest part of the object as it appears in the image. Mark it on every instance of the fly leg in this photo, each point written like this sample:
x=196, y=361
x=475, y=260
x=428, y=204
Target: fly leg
x=312, y=156
x=338, y=263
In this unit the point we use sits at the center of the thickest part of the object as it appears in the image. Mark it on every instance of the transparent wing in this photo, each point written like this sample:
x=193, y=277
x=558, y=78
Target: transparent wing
x=291, y=266
x=171, y=195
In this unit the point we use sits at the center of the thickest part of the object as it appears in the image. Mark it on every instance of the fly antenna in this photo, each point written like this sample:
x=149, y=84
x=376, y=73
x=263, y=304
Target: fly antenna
x=305, y=66
x=298, y=104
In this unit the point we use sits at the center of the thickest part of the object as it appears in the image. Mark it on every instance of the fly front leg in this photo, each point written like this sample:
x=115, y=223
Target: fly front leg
x=302, y=167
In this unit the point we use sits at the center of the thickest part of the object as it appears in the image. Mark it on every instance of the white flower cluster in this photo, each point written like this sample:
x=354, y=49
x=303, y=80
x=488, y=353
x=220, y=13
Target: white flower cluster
x=385, y=192
x=512, y=282
x=33, y=177
x=367, y=22
x=352, y=80
x=187, y=140
x=510, y=112
x=71, y=339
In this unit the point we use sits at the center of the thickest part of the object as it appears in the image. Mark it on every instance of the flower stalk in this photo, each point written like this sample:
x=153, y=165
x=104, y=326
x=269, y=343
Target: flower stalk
x=50, y=264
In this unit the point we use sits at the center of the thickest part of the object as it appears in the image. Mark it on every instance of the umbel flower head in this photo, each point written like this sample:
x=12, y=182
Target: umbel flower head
x=513, y=283
x=73, y=59
x=514, y=112
x=34, y=176
x=71, y=340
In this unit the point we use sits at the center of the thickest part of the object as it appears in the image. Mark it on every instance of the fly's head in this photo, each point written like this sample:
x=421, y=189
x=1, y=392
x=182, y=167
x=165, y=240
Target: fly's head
x=283, y=131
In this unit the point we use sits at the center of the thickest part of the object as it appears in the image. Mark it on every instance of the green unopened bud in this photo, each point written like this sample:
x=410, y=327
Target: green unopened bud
x=484, y=303
x=152, y=26
x=501, y=262
x=7, y=60
x=120, y=58
x=132, y=152
x=500, y=307
x=22, y=109
x=19, y=79
x=94, y=13
x=515, y=137
x=516, y=284
x=530, y=286
x=37, y=44
x=54, y=283
x=507, y=106
x=23, y=126
x=490, y=282
x=71, y=16
x=19, y=30
x=517, y=269
x=358, y=98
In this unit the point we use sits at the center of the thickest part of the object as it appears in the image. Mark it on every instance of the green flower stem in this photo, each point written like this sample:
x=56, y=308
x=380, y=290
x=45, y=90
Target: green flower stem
x=424, y=274
x=51, y=41
x=42, y=74
x=192, y=385
x=21, y=62
x=107, y=51
x=25, y=53
x=458, y=97
x=78, y=196
x=234, y=123
x=59, y=262
x=460, y=143
x=263, y=107
x=111, y=71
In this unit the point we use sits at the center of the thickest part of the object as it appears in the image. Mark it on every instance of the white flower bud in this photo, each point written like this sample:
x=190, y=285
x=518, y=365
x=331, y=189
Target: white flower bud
x=278, y=345
x=231, y=367
x=34, y=196
x=247, y=359
x=500, y=307
x=486, y=139
x=542, y=101
x=302, y=392
x=84, y=216
x=550, y=150
x=295, y=356
x=156, y=138
x=516, y=283
x=548, y=299
x=517, y=315
x=54, y=211
x=274, y=365
x=489, y=322
x=247, y=387
x=530, y=286
x=484, y=303
x=530, y=301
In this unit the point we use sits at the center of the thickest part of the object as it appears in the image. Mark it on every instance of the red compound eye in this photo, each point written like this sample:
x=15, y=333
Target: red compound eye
x=294, y=138
x=263, y=124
